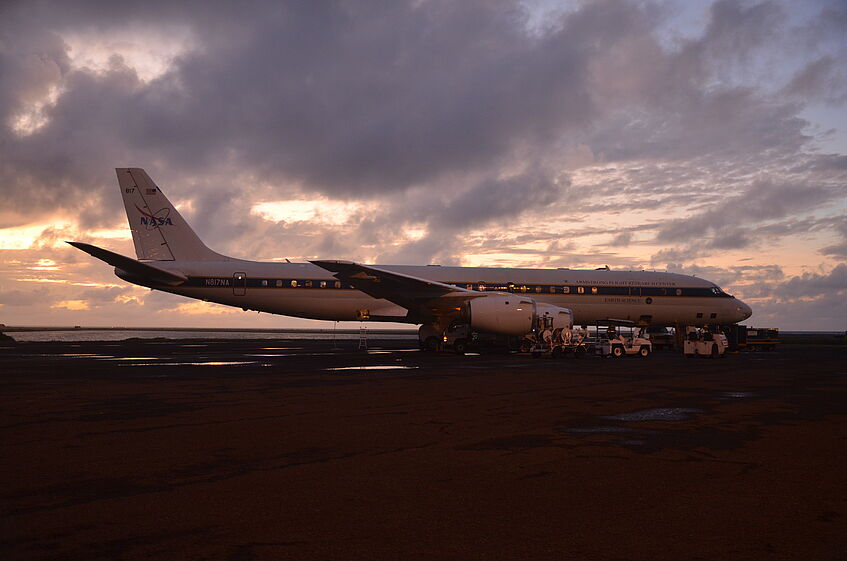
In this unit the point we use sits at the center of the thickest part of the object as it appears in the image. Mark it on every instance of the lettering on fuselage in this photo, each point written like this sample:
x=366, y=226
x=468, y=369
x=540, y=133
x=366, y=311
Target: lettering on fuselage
x=218, y=282
x=621, y=300
x=600, y=282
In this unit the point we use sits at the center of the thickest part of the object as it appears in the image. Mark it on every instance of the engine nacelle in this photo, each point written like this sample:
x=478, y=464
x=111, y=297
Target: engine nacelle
x=562, y=318
x=506, y=314
x=510, y=314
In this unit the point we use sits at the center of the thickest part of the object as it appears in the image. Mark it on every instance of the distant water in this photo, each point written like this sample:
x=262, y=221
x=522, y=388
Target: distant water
x=112, y=335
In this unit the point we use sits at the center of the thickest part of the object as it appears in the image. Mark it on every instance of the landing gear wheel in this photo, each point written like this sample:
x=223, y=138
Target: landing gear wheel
x=460, y=346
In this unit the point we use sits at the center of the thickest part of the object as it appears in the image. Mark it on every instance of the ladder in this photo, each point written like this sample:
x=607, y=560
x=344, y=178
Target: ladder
x=363, y=337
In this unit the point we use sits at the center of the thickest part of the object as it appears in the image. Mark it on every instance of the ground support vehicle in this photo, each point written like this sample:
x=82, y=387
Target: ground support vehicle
x=762, y=338
x=558, y=343
x=704, y=343
x=462, y=339
x=617, y=344
x=660, y=338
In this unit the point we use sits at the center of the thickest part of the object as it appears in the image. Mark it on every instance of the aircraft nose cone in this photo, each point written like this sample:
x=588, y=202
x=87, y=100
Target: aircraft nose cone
x=744, y=311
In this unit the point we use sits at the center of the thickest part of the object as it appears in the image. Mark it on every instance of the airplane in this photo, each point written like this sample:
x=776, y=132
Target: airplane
x=502, y=301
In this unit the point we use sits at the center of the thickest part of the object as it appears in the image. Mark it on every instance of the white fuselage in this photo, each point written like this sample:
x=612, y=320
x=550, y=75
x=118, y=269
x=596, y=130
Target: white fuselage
x=308, y=291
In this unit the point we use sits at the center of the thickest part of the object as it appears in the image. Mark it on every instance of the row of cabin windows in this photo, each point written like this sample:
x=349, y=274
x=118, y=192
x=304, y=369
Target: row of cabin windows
x=279, y=283
x=539, y=289
x=600, y=290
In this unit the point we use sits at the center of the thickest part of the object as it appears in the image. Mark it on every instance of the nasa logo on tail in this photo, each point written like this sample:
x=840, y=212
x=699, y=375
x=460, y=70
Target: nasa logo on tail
x=158, y=218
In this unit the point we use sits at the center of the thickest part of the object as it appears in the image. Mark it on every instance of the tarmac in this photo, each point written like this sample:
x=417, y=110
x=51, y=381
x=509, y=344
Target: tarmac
x=279, y=449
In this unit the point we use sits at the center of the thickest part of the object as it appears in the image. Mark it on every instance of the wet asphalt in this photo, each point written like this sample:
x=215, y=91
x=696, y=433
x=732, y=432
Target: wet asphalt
x=275, y=449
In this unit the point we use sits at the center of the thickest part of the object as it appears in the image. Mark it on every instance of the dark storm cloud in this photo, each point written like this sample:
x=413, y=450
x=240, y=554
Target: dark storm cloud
x=820, y=79
x=838, y=250
x=18, y=298
x=727, y=223
x=811, y=285
x=454, y=115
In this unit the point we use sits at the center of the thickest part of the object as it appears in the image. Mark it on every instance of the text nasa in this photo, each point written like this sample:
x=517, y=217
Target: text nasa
x=156, y=221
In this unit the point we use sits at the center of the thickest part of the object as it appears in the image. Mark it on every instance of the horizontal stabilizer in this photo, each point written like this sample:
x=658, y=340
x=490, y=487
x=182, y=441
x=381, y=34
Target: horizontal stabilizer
x=132, y=266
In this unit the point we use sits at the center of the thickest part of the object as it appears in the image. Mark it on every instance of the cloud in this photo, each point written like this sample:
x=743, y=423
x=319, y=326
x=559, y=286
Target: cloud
x=487, y=129
x=726, y=222
x=25, y=298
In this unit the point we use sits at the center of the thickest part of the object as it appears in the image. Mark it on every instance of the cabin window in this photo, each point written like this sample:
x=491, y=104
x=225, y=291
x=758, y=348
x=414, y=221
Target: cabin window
x=337, y=284
x=279, y=283
x=679, y=292
x=593, y=290
x=481, y=287
x=580, y=290
x=566, y=290
x=294, y=284
x=713, y=315
x=323, y=284
x=469, y=287
x=264, y=283
x=308, y=284
x=650, y=291
x=552, y=290
x=523, y=288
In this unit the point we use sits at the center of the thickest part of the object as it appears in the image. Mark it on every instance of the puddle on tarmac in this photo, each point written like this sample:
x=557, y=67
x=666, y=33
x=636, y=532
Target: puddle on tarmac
x=381, y=367
x=737, y=395
x=211, y=363
x=602, y=430
x=659, y=414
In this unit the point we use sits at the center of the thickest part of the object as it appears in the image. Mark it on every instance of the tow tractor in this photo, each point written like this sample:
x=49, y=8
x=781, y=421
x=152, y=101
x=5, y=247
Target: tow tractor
x=702, y=342
x=617, y=344
x=558, y=342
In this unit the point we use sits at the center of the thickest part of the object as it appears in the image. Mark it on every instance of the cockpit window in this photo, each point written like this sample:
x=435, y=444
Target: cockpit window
x=717, y=291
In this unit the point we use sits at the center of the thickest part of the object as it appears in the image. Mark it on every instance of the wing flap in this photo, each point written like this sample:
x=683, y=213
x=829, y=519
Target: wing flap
x=132, y=266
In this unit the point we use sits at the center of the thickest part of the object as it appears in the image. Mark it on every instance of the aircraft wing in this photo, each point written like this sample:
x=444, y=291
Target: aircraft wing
x=132, y=266
x=416, y=294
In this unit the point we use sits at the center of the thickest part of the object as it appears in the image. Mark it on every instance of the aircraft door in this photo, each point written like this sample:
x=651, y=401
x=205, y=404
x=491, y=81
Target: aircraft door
x=239, y=284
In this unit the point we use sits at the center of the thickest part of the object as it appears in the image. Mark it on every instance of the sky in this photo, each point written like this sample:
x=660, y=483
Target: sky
x=707, y=138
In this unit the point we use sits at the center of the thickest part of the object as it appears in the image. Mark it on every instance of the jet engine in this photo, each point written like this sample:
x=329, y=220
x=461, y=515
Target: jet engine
x=510, y=314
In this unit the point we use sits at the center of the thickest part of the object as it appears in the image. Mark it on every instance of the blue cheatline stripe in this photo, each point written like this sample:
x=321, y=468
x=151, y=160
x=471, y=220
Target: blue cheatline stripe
x=527, y=289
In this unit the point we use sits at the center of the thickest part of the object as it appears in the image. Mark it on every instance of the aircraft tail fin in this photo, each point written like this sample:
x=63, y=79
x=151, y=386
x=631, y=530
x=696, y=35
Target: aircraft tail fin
x=158, y=230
